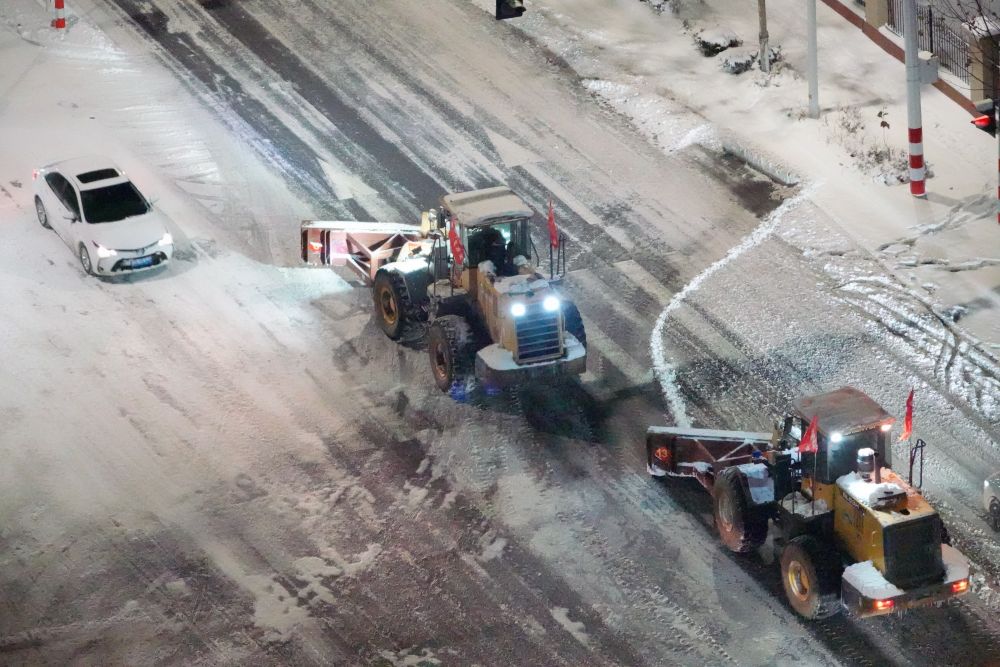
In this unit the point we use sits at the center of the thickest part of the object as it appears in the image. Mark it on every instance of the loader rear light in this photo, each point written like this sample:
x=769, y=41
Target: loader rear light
x=884, y=605
x=960, y=586
x=316, y=246
x=662, y=454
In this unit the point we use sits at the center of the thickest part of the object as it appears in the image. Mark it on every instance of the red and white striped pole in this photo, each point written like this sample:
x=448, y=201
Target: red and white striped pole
x=59, y=22
x=916, y=132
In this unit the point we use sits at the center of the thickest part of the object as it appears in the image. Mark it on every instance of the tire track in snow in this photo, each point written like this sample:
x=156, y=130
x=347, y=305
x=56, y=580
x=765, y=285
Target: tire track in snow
x=663, y=368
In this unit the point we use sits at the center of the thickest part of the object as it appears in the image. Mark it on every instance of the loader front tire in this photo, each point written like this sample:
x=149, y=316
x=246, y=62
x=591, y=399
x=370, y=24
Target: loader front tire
x=391, y=303
x=811, y=577
x=742, y=527
x=574, y=323
x=449, y=344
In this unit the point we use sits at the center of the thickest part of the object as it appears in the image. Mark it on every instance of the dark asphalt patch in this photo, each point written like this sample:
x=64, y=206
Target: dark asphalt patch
x=755, y=191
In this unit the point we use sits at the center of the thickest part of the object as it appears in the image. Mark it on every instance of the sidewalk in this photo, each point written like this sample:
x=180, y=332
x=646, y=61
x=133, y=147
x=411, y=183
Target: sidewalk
x=946, y=246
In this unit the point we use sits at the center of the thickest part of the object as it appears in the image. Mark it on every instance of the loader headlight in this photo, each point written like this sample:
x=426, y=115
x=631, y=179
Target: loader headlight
x=517, y=309
x=550, y=304
x=836, y=436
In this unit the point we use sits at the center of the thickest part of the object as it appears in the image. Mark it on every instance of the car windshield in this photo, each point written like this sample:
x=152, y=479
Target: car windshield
x=111, y=203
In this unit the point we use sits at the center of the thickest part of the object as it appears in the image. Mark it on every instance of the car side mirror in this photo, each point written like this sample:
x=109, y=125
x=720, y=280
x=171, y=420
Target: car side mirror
x=71, y=218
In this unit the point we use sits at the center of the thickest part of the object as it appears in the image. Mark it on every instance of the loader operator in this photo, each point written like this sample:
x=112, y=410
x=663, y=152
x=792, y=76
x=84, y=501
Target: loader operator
x=491, y=246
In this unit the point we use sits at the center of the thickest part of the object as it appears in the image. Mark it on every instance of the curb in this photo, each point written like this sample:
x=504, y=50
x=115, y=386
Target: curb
x=761, y=163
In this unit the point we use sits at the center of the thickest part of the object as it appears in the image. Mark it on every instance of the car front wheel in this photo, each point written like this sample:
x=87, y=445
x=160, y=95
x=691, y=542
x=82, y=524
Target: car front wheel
x=43, y=217
x=85, y=262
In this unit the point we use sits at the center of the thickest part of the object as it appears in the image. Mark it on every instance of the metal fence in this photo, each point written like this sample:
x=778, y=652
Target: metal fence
x=934, y=34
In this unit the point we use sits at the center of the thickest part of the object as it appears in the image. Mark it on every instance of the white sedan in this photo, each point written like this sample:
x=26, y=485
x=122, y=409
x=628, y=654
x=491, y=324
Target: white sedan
x=101, y=216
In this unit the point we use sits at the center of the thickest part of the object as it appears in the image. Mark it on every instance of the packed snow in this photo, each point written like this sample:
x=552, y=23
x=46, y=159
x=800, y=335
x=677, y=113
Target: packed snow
x=956, y=565
x=759, y=481
x=797, y=503
x=868, y=493
x=868, y=581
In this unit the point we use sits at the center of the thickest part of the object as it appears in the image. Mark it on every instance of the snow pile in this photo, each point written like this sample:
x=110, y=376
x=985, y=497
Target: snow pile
x=869, y=494
x=759, y=482
x=716, y=40
x=739, y=61
x=670, y=125
x=796, y=503
x=869, y=581
x=658, y=6
x=742, y=60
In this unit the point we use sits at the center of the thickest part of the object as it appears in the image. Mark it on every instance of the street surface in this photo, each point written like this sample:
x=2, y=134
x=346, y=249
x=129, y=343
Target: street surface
x=227, y=462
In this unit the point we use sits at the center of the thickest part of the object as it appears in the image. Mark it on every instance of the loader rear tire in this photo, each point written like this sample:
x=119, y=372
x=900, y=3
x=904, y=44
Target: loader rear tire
x=391, y=303
x=574, y=323
x=811, y=577
x=449, y=344
x=742, y=527
x=945, y=535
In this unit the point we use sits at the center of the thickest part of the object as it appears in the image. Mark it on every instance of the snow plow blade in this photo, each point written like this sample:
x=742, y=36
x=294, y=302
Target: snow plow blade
x=362, y=246
x=699, y=452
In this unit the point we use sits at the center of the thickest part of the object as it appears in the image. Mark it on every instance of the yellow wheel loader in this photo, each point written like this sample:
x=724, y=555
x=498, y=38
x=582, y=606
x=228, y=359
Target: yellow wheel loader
x=466, y=276
x=852, y=533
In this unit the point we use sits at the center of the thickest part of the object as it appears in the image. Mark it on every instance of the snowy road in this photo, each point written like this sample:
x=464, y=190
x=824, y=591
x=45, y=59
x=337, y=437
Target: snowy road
x=227, y=463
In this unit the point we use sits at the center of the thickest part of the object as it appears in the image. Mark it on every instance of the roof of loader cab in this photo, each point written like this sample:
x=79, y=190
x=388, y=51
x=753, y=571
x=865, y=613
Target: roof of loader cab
x=847, y=410
x=481, y=207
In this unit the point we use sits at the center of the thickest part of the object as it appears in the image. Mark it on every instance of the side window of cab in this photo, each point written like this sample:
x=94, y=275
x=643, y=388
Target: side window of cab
x=64, y=191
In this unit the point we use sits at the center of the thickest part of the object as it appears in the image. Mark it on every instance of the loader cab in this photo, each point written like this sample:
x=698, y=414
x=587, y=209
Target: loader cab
x=848, y=421
x=499, y=242
x=492, y=225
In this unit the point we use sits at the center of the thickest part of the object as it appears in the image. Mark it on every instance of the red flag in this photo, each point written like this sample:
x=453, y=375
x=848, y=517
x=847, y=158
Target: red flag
x=457, y=249
x=808, y=443
x=553, y=232
x=908, y=421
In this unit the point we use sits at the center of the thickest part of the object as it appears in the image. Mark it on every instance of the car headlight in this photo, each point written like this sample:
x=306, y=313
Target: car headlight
x=986, y=483
x=551, y=303
x=167, y=239
x=517, y=309
x=103, y=252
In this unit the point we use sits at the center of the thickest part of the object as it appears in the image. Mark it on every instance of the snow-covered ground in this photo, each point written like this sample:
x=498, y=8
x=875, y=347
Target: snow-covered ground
x=89, y=381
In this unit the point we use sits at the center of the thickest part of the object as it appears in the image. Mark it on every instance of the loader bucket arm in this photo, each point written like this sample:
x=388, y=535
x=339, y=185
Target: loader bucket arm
x=363, y=246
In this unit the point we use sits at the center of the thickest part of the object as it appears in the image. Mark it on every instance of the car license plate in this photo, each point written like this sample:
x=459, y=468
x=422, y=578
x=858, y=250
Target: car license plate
x=141, y=262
